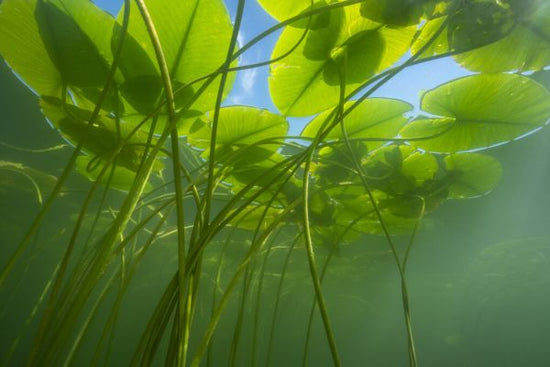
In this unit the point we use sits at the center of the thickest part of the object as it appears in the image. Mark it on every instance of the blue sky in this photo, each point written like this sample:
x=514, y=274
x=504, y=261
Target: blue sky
x=251, y=85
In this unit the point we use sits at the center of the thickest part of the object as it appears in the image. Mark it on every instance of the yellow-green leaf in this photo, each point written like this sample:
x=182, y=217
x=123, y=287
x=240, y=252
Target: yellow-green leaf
x=472, y=174
x=348, y=46
x=480, y=111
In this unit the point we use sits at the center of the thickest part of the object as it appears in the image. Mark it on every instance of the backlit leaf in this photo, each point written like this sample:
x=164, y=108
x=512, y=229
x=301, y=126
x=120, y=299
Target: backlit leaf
x=394, y=12
x=240, y=133
x=519, y=39
x=374, y=118
x=480, y=111
x=308, y=80
x=282, y=10
x=399, y=169
x=102, y=139
x=472, y=174
x=121, y=178
x=195, y=37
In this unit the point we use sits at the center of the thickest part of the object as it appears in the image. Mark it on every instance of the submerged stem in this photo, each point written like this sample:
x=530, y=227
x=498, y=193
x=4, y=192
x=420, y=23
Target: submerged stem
x=165, y=74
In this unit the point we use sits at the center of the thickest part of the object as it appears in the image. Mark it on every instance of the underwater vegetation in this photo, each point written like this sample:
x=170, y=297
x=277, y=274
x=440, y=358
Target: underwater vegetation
x=174, y=228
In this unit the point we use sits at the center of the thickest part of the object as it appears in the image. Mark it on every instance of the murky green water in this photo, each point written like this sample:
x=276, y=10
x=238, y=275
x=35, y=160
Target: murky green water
x=477, y=277
x=478, y=274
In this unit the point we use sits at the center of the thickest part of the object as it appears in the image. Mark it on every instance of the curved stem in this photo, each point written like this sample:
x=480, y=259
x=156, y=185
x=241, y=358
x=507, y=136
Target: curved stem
x=174, y=140
x=215, y=118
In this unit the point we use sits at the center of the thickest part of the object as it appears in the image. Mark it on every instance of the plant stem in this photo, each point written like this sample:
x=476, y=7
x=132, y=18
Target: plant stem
x=165, y=74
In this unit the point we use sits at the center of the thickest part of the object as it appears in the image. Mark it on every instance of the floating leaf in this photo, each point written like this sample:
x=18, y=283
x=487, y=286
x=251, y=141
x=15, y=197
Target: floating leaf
x=62, y=26
x=512, y=43
x=477, y=24
x=21, y=45
x=102, y=139
x=254, y=216
x=264, y=174
x=399, y=169
x=142, y=85
x=283, y=10
x=121, y=178
x=194, y=35
x=395, y=12
x=241, y=127
x=429, y=30
x=472, y=174
x=56, y=43
x=481, y=111
x=308, y=80
x=394, y=221
x=378, y=119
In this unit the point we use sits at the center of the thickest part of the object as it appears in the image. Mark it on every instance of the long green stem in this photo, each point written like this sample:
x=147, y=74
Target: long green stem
x=310, y=252
x=216, y=116
x=165, y=74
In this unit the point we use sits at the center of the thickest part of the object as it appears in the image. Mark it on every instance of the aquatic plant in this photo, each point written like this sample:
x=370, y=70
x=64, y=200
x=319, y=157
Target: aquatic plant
x=219, y=192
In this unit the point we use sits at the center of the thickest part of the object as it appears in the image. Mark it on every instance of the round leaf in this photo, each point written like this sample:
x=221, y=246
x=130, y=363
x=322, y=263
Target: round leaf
x=481, y=111
x=194, y=35
x=374, y=118
x=308, y=80
x=56, y=42
x=282, y=10
x=519, y=40
x=472, y=174
x=121, y=178
x=399, y=169
x=242, y=127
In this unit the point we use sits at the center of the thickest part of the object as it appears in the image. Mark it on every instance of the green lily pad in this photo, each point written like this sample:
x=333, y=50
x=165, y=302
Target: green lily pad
x=240, y=134
x=283, y=10
x=472, y=174
x=396, y=12
x=349, y=46
x=515, y=42
x=373, y=118
x=399, y=169
x=102, y=138
x=194, y=35
x=55, y=43
x=121, y=178
x=480, y=111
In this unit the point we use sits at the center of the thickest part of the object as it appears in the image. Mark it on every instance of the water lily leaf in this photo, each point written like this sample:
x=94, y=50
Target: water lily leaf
x=399, y=169
x=256, y=215
x=265, y=174
x=121, y=178
x=51, y=43
x=365, y=219
x=283, y=10
x=476, y=24
x=481, y=111
x=22, y=47
x=195, y=37
x=521, y=50
x=472, y=174
x=335, y=164
x=514, y=44
x=240, y=133
x=70, y=48
x=141, y=85
x=396, y=12
x=374, y=118
x=102, y=138
x=349, y=46
x=428, y=31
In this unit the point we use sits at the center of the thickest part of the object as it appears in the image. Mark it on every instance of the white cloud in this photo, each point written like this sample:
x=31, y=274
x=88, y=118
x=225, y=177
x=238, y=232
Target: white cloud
x=248, y=79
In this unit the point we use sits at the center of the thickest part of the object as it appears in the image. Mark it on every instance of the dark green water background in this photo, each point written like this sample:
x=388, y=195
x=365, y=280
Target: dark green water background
x=479, y=273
